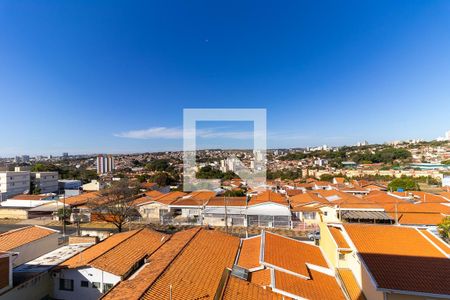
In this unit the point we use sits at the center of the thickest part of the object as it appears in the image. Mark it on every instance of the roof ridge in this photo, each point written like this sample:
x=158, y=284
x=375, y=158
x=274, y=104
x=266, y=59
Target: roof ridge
x=15, y=230
x=171, y=261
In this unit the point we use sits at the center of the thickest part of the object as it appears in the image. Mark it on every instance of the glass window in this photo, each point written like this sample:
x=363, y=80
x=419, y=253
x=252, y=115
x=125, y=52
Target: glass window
x=66, y=284
x=96, y=285
x=107, y=287
x=84, y=283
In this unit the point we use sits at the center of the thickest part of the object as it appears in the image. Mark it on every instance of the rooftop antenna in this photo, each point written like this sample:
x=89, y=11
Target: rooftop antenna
x=170, y=292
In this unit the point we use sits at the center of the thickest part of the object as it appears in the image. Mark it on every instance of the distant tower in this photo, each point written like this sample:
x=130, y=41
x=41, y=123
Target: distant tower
x=447, y=135
x=105, y=164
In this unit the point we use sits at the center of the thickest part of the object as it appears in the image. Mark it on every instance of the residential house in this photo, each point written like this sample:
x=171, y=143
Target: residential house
x=28, y=242
x=189, y=208
x=268, y=209
x=221, y=208
x=189, y=265
x=94, y=271
x=388, y=262
x=291, y=268
x=156, y=208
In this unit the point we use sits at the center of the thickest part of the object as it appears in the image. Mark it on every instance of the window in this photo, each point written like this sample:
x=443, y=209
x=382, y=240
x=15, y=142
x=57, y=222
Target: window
x=107, y=287
x=309, y=215
x=84, y=283
x=96, y=285
x=65, y=284
x=341, y=256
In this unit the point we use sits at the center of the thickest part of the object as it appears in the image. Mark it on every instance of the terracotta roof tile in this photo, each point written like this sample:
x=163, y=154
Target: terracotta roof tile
x=250, y=253
x=120, y=259
x=118, y=253
x=350, y=284
x=136, y=286
x=82, y=199
x=338, y=237
x=261, y=277
x=153, y=194
x=237, y=289
x=418, y=218
x=268, y=196
x=319, y=287
x=401, y=258
x=290, y=254
x=168, y=198
x=439, y=242
x=196, y=272
x=230, y=201
x=18, y=237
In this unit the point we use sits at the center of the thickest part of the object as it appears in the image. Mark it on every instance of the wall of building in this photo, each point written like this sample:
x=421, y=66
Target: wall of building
x=328, y=245
x=5, y=272
x=37, y=287
x=35, y=249
x=46, y=181
x=151, y=211
x=14, y=183
x=82, y=274
x=13, y=213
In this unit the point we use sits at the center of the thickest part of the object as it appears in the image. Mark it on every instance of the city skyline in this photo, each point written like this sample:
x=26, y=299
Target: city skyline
x=115, y=78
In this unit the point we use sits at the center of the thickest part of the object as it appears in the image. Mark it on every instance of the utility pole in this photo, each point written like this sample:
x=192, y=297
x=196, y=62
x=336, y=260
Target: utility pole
x=64, y=214
x=226, y=213
x=396, y=214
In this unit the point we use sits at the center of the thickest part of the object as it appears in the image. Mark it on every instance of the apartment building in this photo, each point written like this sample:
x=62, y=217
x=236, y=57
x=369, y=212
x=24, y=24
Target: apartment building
x=14, y=183
x=105, y=164
x=45, y=182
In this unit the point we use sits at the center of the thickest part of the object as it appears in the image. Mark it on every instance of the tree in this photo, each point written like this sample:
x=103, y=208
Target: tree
x=64, y=214
x=159, y=165
x=34, y=189
x=163, y=179
x=326, y=177
x=234, y=193
x=407, y=184
x=444, y=228
x=116, y=204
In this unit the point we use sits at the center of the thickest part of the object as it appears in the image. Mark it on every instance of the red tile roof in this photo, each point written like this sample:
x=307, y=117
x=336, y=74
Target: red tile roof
x=13, y=239
x=136, y=286
x=118, y=253
x=401, y=258
x=320, y=287
x=268, y=196
x=196, y=272
x=290, y=254
x=250, y=253
x=237, y=289
x=338, y=237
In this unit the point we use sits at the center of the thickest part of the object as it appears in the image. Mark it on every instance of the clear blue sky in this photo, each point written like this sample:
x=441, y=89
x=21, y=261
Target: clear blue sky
x=114, y=76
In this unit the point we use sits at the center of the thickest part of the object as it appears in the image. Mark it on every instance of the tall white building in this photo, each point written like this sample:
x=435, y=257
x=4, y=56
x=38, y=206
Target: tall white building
x=14, y=183
x=105, y=164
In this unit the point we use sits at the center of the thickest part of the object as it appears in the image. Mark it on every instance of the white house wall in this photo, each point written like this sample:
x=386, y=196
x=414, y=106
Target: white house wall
x=82, y=274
